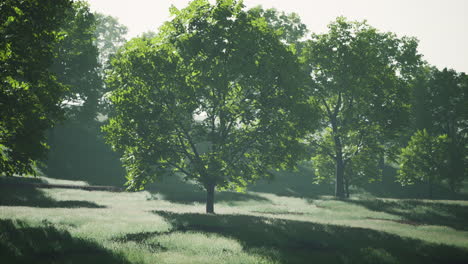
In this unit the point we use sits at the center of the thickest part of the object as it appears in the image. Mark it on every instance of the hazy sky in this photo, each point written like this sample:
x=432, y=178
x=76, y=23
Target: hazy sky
x=441, y=26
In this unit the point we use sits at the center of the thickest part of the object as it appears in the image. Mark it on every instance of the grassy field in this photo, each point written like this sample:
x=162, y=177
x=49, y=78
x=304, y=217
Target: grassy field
x=271, y=223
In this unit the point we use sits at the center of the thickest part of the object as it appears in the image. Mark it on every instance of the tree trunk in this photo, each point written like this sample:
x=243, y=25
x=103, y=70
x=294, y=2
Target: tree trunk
x=339, y=170
x=346, y=181
x=430, y=188
x=385, y=178
x=340, y=166
x=339, y=173
x=210, y=190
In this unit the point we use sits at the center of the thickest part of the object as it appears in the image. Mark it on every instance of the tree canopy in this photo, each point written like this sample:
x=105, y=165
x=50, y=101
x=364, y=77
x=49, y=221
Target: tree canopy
x=30, y=95
x=215, y=96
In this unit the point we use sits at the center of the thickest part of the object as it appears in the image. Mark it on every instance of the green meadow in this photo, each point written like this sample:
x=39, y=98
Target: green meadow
x=167, y=223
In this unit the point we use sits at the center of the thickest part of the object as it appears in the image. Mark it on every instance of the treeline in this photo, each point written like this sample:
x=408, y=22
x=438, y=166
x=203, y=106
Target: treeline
x=224, y=96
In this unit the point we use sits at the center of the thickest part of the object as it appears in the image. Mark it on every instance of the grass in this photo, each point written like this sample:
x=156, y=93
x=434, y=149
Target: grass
x=167, y=224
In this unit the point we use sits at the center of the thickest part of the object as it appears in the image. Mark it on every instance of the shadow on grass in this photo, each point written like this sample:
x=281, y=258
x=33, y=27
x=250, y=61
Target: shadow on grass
x=289, y=241
x=176, y=190
x=22, y=243
x=23, y=195
x=421, y=212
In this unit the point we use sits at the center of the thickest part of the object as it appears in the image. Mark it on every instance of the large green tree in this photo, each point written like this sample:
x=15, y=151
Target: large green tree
x=360, y=77
x=215, y=96
x=30, y=94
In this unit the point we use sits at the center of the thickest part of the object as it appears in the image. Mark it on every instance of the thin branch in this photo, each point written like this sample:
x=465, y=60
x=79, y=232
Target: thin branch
x=179, y=168
x=325, y=149
x=338, y=105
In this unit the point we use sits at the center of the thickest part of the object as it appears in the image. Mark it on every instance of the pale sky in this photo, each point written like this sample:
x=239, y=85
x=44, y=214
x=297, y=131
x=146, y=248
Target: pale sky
x=440, y=25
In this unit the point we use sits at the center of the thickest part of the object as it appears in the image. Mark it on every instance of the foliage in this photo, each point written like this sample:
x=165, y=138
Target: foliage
x=361, y=79
x=30, y=94
x=110, y=36
x=76, y=64
x=449, y=116
x=215, y=96
x=424, y=159
x=289, y=27
x=441, y=107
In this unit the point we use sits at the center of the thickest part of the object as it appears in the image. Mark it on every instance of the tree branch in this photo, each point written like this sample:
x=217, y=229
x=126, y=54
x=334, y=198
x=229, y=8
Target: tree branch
x=325, y=149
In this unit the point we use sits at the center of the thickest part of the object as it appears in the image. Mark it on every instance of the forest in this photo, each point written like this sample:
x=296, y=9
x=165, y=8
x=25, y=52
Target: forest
x=338, y=147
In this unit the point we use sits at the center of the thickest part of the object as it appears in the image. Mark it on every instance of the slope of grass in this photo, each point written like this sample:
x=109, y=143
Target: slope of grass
x=167, y=225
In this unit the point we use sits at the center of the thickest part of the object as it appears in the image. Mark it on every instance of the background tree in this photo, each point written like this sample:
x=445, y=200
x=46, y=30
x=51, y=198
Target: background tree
x=215, y=96
x=360, y=77
x=30, y=94
x=425, y=159
x=76, y=64
x=77, y=148
x=441, y=108
x=110, y=36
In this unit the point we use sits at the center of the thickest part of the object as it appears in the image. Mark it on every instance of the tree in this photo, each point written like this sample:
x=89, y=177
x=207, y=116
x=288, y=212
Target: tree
x=449, y=110
x=30, y=94
x=442, y=109
x=425, y=159
x=110, y=36
x=76, y=64
x=215, y=96
x=360, y=77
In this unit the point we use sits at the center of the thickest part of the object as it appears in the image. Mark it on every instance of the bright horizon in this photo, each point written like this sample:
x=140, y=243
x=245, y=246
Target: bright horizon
x=440, y=27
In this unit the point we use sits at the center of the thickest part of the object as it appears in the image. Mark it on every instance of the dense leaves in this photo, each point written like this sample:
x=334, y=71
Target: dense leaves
x=30, y=95
x=425, y=159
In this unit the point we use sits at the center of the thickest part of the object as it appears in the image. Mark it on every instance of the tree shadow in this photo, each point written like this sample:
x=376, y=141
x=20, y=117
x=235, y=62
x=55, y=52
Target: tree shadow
x=22, y=243
x=289, y=241
x=293, y=184
x=420, y=212
x=176, y=190
x=24, y=195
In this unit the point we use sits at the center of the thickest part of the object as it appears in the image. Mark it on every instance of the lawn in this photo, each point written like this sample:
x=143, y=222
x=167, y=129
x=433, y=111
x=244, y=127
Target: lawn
x=167, y=224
